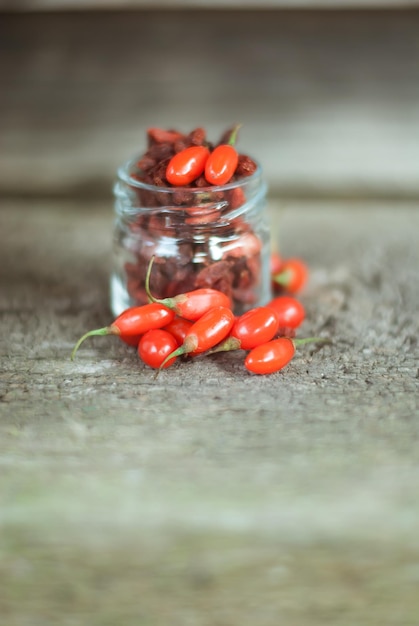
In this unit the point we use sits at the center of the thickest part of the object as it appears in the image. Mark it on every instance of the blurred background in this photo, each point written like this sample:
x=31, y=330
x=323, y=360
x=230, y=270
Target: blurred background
x=327, y=91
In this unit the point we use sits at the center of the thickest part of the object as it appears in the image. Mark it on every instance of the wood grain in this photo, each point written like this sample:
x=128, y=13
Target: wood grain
x=210, y=496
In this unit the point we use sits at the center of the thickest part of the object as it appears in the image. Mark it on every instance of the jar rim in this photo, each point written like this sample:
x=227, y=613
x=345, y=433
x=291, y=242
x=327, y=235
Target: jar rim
x=124, y=174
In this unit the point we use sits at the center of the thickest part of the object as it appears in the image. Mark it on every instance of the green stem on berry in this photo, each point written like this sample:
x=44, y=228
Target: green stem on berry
x=233, y=137
x=283, y=278
x=169, y=302
x=147, y=280
x=230, y=343
x=303, y=341
x=107, y=330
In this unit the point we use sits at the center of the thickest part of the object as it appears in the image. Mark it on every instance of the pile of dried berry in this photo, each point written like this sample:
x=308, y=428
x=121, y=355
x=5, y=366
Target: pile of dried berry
x=189, y=160
x=194, y=208
x=201, y=322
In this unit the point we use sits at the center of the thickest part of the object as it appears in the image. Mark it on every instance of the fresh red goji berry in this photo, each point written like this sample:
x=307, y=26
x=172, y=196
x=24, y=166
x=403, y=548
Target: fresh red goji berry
x=293, y=275
x=179, y=328
x=187, y=165
x=254, y=327
x=155, y=345
x=272, y=356
x=132, y=321
x=206, y=332
x=132, y=341
x=222, y=162
x=192, y=304
x=289, y=310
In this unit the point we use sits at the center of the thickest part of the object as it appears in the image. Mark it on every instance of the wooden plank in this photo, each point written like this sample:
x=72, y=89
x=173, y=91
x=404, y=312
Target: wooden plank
x=209, y=496
x=87, y=5
x=329, y=101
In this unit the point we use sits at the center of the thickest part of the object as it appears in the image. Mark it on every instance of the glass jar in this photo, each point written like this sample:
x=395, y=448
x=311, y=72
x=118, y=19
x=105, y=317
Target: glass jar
x=216, y=237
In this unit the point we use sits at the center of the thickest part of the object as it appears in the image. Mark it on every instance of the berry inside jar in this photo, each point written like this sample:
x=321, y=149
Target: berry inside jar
x=198, y=209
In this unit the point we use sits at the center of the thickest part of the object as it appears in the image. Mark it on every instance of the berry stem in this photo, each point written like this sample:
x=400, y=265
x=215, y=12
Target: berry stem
x=178, y=352
x=147, y=281
x=169, y=302
x=283, y=278
x=233, y=137
x=301, y=342
x=230, y=343
x=107, y=330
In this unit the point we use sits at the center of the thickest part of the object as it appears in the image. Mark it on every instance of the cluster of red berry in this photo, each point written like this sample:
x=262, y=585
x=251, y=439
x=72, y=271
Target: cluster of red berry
x=202, y=322
x=194, y=206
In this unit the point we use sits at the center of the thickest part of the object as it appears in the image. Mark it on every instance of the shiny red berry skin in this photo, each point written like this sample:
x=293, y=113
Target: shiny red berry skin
x=185, y=166
x=254, y=327
x=270, y=357
x=155, y=345
x=289, y=310
x=292, y=277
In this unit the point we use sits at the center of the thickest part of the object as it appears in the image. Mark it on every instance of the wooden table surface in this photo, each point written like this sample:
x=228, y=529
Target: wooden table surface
x=210, y=496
